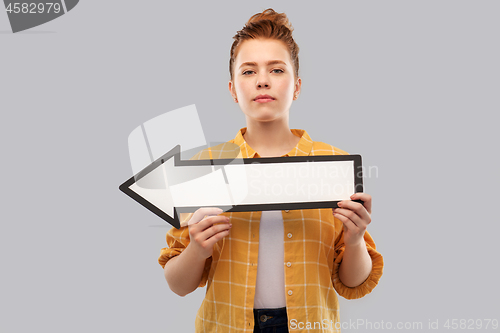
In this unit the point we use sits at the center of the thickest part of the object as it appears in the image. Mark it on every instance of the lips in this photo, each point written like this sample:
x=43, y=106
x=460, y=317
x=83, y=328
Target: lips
x=264, y=98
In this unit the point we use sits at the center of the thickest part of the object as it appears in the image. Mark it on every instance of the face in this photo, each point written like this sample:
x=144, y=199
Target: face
x=263, y=79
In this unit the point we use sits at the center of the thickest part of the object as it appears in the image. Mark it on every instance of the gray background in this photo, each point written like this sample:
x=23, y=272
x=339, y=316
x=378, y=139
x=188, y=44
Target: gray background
x=412, y=86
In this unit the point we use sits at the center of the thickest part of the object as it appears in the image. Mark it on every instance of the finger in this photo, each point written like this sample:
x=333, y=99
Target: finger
x=208, y=221
x=217, y=237
x=357, y=208
x=349, y=214
x=366, y=198
x=214, y=230
x=202, y=212
x=347, y=222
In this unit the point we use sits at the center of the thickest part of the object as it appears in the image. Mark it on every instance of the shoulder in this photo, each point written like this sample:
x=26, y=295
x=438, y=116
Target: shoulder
x=321, y=148
x=224, y=150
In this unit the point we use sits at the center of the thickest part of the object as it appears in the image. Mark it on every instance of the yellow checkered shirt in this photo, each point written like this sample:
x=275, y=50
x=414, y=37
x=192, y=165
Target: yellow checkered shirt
x=313, y=244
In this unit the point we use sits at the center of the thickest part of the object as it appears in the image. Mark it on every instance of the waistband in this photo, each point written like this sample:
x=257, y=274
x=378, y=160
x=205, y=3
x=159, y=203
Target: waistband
x=270, y=317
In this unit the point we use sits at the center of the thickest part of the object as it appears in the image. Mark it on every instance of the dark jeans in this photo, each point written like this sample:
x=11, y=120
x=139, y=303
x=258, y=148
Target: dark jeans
x=270, y=320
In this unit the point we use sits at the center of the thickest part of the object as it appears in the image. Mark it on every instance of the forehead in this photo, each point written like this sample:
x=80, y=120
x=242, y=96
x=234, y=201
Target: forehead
x=262, y=50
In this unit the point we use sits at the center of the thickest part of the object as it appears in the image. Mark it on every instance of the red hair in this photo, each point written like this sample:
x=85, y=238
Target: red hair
x=268, y=25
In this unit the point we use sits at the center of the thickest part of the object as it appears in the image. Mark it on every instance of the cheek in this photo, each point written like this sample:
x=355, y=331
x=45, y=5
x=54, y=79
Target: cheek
x=287, y=88
x=242, y=88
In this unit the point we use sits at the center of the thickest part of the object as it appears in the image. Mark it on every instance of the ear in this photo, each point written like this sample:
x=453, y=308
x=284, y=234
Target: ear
x=298, y=85
x=233, y=92
x=231, y=89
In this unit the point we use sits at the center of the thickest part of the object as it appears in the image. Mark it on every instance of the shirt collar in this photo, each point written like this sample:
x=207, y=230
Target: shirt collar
x=303, y=148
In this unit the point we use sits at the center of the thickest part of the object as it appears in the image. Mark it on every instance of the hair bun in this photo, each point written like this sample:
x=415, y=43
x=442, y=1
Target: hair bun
x=271, y=15
x=266, y=25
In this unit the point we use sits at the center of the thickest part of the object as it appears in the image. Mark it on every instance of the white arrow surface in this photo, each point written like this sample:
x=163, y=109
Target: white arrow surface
x=298, y=182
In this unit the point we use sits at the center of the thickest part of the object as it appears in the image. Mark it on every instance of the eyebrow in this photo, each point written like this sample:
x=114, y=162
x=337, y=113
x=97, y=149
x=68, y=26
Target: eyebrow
x=271, y=62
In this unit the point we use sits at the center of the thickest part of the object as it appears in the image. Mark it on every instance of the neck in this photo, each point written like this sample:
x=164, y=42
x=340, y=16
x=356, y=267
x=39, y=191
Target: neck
x=270, y=139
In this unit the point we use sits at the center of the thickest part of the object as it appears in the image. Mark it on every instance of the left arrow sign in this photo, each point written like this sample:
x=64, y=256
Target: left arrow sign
x=170, y=186
x=157, y=187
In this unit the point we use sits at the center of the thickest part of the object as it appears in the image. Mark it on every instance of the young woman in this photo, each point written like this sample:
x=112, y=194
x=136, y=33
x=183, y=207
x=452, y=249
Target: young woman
x=271, y=271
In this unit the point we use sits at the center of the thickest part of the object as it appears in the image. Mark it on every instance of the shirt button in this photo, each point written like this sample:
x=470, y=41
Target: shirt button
x=289, y=235
x=290, y=292
x=288, y=264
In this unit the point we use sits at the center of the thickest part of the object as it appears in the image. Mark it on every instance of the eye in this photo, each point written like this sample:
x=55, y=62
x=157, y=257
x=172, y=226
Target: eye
x=246, y=72
x=280, y=70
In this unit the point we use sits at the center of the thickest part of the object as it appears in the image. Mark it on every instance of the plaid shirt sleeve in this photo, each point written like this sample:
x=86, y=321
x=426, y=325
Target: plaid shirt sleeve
x=178, y=239
x=377, y=260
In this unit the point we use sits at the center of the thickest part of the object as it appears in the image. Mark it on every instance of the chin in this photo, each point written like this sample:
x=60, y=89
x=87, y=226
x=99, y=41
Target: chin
x=263, y=114
x=265, y=119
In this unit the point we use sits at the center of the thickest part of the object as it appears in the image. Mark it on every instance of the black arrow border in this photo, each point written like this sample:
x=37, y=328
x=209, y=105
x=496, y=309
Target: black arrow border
x=176, y=152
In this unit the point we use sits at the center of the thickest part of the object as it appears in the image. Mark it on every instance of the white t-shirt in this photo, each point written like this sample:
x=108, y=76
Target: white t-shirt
x=270, y=285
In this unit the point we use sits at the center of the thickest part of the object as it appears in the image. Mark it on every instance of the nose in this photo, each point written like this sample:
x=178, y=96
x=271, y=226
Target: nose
x=262, y=81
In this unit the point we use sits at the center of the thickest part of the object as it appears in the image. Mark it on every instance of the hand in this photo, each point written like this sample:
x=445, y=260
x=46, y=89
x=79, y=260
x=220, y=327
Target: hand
x=355, y=217
x=203, y=231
